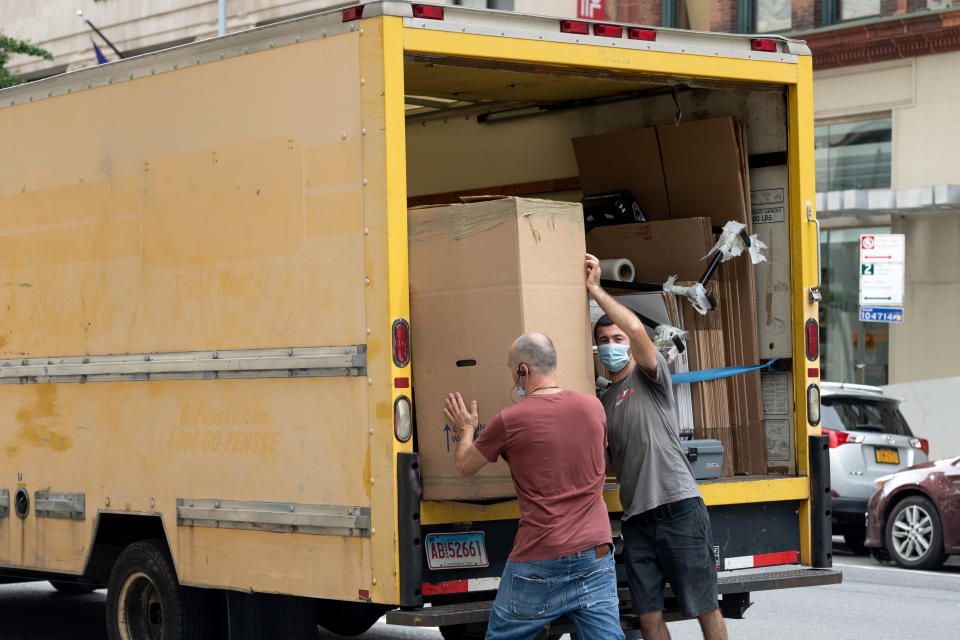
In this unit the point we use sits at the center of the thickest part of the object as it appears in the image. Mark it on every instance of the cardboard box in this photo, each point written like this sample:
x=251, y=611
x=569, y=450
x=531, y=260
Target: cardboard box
x=657, y=250
x=624, y=160
x=481, y=274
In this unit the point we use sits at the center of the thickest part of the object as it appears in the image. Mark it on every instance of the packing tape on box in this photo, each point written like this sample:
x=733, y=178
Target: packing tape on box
x=619, y=269
x=465, y=219
x=731, y=244
x=695, y=293
x=715, y=374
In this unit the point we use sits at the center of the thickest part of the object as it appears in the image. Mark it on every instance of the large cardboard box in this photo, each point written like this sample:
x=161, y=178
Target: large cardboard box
x=482, y=273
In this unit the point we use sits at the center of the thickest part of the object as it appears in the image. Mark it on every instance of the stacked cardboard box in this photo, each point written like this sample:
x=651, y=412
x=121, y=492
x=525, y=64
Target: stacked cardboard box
x=701, y=182
x=481, y=274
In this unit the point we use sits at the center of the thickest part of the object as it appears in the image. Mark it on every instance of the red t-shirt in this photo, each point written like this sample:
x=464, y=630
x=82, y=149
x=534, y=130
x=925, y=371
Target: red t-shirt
x=555, y=446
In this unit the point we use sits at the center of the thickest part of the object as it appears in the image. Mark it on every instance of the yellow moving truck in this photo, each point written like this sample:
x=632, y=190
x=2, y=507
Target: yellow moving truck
x=205, y=353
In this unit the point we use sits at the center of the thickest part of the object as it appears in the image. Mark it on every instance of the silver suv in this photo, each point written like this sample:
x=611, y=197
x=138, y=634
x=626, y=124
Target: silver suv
x=869, y=438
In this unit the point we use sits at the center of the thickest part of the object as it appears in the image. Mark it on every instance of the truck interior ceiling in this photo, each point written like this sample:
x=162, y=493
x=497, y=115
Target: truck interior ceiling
x=480, y=128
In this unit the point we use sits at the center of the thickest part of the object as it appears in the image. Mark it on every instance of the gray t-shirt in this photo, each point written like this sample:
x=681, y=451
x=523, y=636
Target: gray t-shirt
x=644, y=441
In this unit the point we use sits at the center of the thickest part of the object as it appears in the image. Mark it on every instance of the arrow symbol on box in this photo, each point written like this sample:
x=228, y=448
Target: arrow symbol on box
x=446, y=429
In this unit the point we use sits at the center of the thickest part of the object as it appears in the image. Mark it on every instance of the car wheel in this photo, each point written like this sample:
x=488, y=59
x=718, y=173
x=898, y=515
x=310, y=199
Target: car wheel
x=914, y=535
x=854, y=541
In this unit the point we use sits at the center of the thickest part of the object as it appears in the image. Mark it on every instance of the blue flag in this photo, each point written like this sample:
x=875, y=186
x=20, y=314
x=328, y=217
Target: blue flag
x=100, y=57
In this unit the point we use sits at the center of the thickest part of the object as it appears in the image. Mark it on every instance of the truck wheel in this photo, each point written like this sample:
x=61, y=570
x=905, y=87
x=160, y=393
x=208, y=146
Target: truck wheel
x=348, y=618
x=914, y=535
x=146, y=602
x=72, y=588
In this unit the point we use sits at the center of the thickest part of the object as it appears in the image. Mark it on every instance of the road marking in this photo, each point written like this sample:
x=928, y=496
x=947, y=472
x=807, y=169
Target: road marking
x=899, y=570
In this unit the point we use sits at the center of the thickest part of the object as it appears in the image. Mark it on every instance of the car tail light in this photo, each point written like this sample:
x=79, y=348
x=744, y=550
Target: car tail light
x=763, y=44
x=635, y=33
x=838, y=438
x=402, y=419
x=401, y=343
x=812, y=331
x=572, y=26
x=920, y=443
x=813, y=405
x=834, y=494
x=608, y=30
x=427, y=12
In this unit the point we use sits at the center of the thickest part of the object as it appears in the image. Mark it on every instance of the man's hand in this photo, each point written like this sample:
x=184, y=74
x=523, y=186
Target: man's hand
x=460, y=417
x=592, y=265
x=464, y=422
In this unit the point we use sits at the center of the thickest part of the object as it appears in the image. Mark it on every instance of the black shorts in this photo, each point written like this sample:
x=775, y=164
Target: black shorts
x=675, y=549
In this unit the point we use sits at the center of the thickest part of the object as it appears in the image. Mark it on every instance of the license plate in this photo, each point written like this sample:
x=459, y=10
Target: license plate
x=456, y=550
x=887, y=456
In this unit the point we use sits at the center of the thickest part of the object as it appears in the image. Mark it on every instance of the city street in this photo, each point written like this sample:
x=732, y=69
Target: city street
x=874, y=602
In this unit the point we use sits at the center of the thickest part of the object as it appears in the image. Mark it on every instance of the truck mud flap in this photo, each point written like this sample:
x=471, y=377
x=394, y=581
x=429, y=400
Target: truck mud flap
x=732, y=588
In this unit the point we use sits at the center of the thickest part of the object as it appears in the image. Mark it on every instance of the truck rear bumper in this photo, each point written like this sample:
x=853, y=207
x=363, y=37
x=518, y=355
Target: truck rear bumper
x=729, y=583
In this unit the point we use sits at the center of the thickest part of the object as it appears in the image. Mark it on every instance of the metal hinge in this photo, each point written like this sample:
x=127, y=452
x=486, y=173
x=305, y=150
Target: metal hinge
x=55, y=504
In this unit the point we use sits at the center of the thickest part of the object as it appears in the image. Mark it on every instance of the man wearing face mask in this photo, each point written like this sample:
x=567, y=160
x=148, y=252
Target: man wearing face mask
x=554, y=441
x=666, y=529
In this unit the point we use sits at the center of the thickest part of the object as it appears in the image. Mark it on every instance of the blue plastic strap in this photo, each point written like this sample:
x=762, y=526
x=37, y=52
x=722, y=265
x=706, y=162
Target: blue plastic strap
x=716, y=374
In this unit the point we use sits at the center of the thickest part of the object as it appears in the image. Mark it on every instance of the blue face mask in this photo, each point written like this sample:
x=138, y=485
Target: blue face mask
x=614, y=356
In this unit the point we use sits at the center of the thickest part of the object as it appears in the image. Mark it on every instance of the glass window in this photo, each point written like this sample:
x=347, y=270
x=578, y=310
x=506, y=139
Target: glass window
x=850, y=350
x=853, y=154
x=850, y=9
x=693, y=14
x=849, y=414
x=771, y=15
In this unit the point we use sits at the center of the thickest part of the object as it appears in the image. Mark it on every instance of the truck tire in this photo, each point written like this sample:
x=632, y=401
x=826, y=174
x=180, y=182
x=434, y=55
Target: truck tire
x=914, y=536
x=145, y=601
x=348, y=618
x=72, y=588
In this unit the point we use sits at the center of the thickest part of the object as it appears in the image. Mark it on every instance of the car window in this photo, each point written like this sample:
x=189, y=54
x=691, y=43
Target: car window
x=849, y=414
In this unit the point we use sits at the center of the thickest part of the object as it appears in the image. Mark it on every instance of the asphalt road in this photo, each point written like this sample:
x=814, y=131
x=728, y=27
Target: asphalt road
x=874, y=602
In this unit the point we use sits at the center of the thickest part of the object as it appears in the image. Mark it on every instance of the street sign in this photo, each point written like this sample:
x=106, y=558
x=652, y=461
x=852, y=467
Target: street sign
x=881, y=314
x=882, y=276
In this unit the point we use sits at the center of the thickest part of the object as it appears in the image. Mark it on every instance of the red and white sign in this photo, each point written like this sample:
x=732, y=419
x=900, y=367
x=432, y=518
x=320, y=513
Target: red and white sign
x=590, y=9
x=882, y=247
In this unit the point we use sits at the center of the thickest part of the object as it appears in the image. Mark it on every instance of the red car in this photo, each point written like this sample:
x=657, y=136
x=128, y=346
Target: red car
x=914, y=515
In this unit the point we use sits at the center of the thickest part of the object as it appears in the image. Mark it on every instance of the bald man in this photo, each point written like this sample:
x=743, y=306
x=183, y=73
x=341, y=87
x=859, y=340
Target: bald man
x=553, y=440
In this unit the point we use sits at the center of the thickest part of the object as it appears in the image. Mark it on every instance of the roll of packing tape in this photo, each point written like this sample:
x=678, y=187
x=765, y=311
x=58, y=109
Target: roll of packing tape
x=620, y=270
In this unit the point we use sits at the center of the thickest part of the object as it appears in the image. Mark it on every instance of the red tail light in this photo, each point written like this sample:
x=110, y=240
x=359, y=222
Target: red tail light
x=769, y=46
x=838, y=438
x=401, y=343
x=572, y=26
x=812, y=331
x=635, y=33
x=427, y=12
x=920, y=443
x=353, y=13
x=608, y=30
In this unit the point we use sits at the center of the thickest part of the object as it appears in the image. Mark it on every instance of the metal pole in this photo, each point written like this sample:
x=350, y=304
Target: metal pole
x=222, y=17
x=99, y=33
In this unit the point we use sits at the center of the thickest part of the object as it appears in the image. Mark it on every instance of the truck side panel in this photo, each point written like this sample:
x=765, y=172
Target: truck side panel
x=233, y=220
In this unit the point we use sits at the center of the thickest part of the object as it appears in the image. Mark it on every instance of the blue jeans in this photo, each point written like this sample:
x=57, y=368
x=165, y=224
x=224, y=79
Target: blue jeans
x=533, y=594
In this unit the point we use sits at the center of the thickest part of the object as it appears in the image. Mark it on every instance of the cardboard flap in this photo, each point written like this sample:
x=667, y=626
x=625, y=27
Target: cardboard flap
x=624, y=160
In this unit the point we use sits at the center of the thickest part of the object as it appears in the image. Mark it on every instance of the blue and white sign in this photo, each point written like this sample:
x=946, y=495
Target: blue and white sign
x=882, y=277
x=881, y=314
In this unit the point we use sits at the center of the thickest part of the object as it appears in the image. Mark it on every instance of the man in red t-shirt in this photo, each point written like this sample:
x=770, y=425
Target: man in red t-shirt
x=554, y=441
